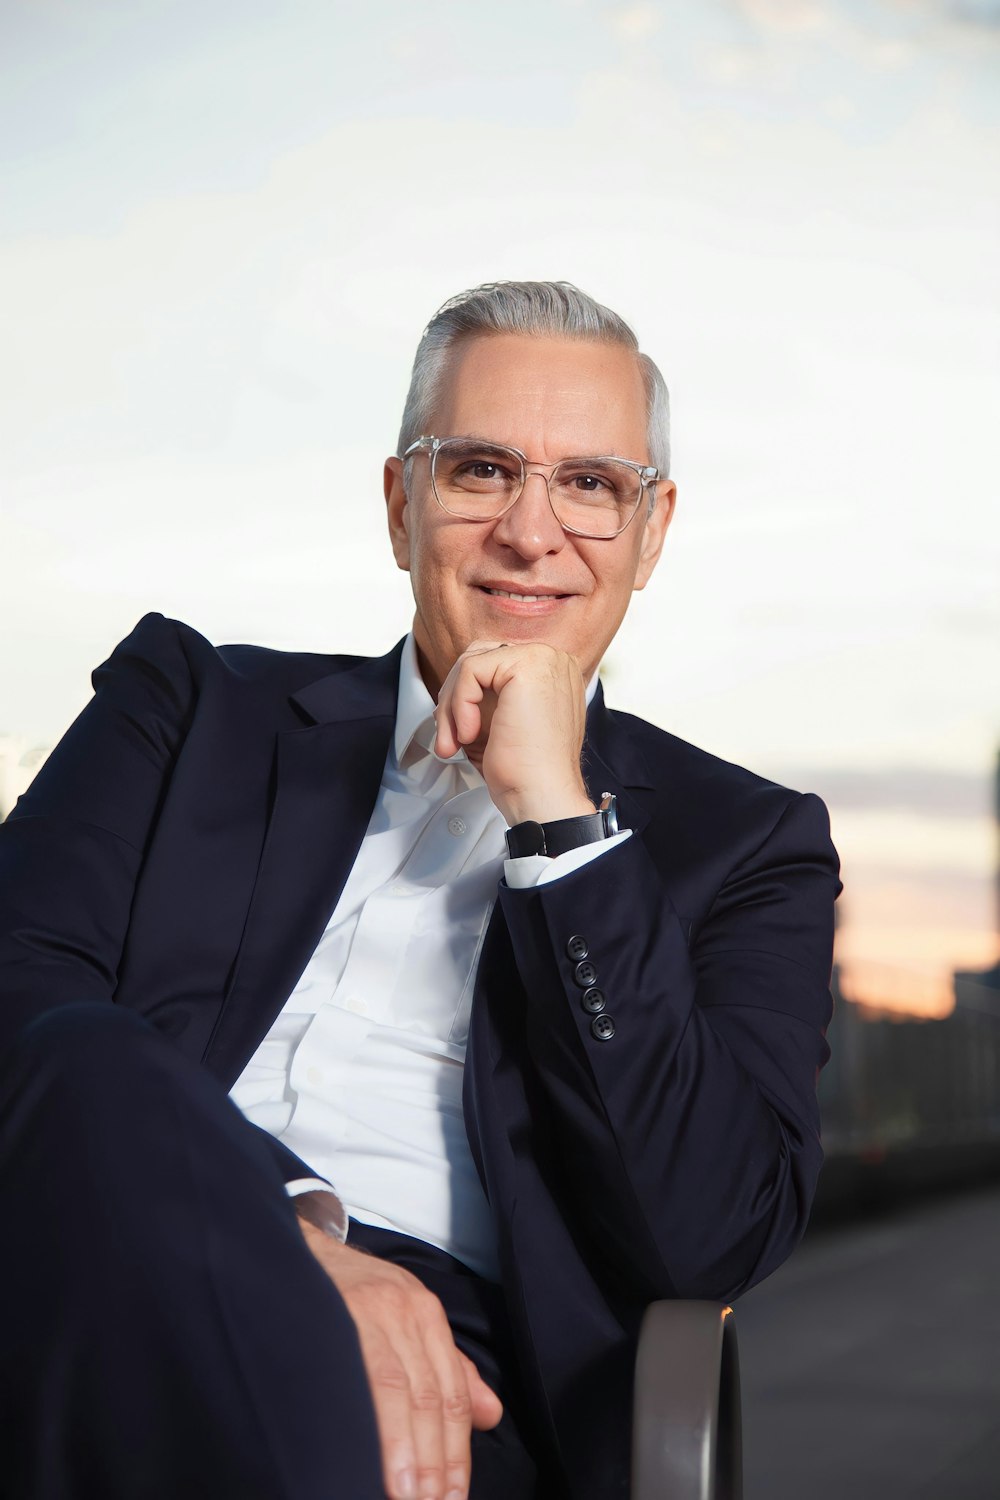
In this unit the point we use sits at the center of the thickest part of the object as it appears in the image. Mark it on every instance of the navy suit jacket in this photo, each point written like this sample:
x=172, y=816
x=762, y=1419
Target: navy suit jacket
x=184, y=846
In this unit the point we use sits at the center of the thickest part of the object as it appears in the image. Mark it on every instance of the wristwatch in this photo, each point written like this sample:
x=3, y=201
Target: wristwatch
x=565, y=833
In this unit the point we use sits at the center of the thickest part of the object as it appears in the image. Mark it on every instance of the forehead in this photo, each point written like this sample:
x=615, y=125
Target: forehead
x=550, y=397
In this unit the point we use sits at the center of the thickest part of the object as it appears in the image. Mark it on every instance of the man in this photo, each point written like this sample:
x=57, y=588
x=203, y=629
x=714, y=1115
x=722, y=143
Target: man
x=549, y=1082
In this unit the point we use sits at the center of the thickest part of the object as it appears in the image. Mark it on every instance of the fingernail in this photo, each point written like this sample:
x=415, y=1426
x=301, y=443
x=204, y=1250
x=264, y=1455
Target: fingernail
x=406, y=1484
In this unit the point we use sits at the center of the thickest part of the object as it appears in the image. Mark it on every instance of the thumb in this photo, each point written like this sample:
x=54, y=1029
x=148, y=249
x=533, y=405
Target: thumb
x=487, y=1408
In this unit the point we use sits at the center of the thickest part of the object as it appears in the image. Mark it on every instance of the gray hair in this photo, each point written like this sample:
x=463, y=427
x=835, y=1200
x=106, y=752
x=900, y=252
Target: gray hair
x=554, y=308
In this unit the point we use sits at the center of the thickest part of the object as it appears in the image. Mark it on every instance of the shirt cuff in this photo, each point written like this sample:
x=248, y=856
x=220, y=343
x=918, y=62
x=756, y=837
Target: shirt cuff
x=333, y=1214
x=538, y=869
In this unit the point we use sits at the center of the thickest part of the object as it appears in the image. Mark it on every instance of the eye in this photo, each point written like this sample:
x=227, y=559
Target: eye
x=593, y=483
x=481, y=470
x=589, y=483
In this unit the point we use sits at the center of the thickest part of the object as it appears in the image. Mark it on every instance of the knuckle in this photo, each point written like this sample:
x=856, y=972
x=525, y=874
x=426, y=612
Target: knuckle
x=427, y=1305
x=458, y=1407
x=394, y=1298
x=389, y=1375
x=430, y=1479
x=426, y=1397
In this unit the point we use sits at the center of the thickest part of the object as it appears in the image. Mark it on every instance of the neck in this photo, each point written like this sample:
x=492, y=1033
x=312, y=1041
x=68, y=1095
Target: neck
x=430, y=679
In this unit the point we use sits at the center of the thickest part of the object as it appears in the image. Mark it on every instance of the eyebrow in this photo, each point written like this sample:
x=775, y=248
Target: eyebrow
x=475, y=437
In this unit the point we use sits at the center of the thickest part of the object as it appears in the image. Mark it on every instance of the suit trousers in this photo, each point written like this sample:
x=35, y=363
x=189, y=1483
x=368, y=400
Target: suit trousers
x=164, y=1329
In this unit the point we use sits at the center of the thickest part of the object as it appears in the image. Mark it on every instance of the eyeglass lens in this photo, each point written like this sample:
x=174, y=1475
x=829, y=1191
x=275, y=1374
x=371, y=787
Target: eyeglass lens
x=480, y=480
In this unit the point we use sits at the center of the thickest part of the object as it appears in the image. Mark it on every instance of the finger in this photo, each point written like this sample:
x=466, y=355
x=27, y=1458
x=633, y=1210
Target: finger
x=423, y=1340
x=461, y=1400
x=456, y=1411
x=446, y=741
x=471, y=681
x=390, y=1389
x=453, y=715
x=454, y=1376
x=427, y=1422
x=487, y=1408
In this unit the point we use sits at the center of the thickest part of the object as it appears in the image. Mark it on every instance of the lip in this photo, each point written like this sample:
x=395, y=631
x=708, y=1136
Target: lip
x=536, y=591
x=540, y=602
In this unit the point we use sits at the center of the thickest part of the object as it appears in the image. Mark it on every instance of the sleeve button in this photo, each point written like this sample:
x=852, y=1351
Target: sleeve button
x=585, y=974
x=593, y=1001
x=577, y=947
x=603, y=1028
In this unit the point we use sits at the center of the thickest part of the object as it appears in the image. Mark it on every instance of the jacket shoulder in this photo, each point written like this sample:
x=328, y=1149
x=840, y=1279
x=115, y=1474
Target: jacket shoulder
x=695, y=790
x=185, y=661
x=668, y=756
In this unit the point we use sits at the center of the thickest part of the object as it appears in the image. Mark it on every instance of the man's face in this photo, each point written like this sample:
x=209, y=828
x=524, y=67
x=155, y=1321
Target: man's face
x=552, y=398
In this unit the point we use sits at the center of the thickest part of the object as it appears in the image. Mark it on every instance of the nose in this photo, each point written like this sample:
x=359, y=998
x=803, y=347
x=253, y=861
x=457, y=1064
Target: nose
x=530, y=526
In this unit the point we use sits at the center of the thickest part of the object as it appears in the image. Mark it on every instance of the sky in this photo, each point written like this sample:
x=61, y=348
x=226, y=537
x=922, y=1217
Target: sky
x=223, y=229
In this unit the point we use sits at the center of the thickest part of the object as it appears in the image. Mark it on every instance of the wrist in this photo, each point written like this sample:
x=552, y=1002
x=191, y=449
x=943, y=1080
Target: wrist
x=558, y=836
x=546, y=807
x=323, y=1214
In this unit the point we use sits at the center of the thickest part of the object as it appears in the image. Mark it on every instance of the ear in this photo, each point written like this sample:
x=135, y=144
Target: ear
x=397, y=512
x=655, y=532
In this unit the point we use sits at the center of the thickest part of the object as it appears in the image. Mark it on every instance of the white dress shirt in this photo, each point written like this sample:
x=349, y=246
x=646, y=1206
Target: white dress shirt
x=361, y=1072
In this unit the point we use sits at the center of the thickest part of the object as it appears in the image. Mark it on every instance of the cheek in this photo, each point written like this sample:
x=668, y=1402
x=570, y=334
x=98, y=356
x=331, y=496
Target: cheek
x=432, y=571
x=613, y=571
x=615, y=593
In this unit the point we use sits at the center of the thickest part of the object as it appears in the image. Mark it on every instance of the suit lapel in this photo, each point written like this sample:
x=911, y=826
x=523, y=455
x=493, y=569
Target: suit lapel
x=325, y=782
x=613, y=763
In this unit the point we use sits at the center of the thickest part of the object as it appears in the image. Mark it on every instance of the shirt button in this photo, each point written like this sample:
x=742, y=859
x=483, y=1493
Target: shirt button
x=603, y=1028
x=357, y=1006
x=577, y=947
x=456, y=826
x=314, y=1075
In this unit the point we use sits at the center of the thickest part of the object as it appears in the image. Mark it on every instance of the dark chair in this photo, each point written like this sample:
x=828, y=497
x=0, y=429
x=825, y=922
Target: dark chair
x=686, y=1433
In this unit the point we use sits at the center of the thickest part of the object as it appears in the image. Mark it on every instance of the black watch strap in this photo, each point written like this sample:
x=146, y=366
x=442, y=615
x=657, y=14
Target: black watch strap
x=565, y=833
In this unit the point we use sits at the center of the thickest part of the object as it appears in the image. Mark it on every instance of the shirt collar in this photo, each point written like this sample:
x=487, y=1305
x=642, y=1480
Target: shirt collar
x=415, y=727
x=414, y=708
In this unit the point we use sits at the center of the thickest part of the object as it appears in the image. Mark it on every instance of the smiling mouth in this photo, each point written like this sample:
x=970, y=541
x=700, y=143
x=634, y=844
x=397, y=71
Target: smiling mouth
x=522, y=598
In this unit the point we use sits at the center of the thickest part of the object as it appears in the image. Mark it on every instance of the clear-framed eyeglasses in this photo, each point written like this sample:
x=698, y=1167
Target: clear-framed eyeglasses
x=478, y=481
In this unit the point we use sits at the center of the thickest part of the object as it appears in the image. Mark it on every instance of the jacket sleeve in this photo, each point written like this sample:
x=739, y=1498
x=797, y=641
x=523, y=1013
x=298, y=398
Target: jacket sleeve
x=689, y=1137
x=71, y=851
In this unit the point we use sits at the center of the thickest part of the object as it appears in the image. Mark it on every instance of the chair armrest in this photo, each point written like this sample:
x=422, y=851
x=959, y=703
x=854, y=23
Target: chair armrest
x=686, y=1433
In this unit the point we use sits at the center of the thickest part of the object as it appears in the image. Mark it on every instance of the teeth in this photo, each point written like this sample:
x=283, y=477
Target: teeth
x=522, y=598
